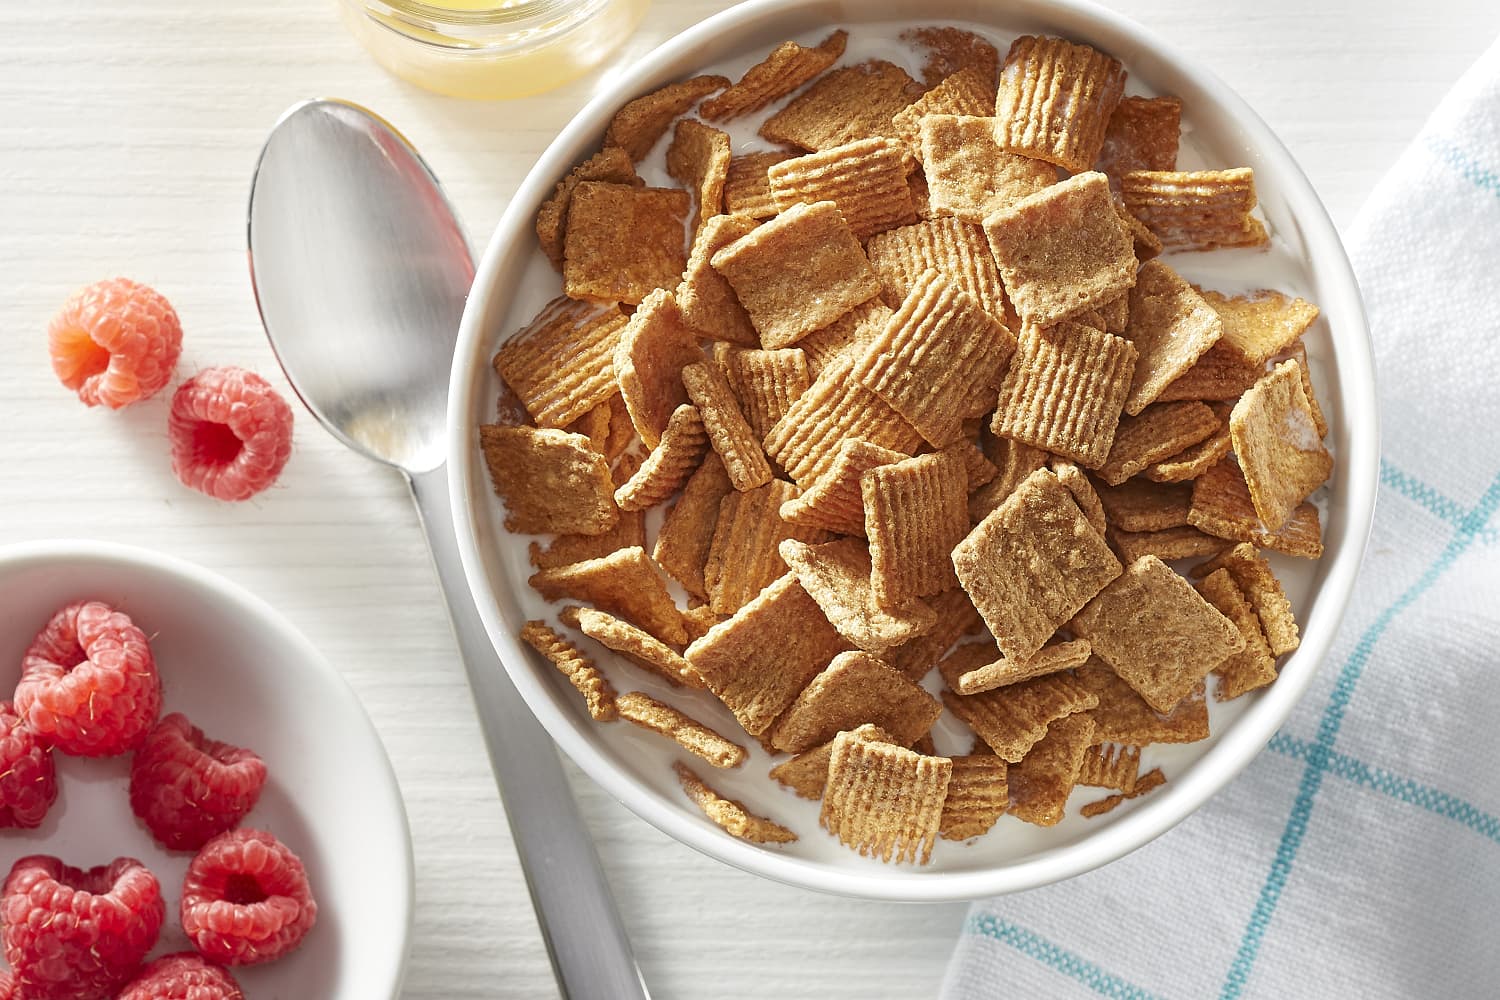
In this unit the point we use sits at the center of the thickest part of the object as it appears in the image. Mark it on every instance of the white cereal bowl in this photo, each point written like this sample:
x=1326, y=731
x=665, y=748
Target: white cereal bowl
x=514, y=281
x=238, y=670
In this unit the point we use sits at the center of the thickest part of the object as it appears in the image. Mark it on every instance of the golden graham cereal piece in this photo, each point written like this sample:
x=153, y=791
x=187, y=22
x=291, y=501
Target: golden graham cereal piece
x=1015, y=461
x=623, y=241
x=707, y=302
x=611, y=164
x=636, y=645
x=1222, y=374
x=916, y=511
x=767, y=383
x=1254, y=666
x=968, y=176
x=728, y=431
x=1055, y=101
x=1116, y=313
x=788, y=67
x=1168, y=544
x=1261, y=588
x=508, y=409
x=730, y=815
x=956, y=617
x=1171, y=327
x=978, y=796
x=939, y=360
x=998, y=672
x=966, y=92
x=1143, y=240
x=1196, y=209
x=951, y=50
x=1222, y=506
x=1262, y=324
x=550, y=480
x=693, y=736
x=797, y=273
x=1122, y=716
x=699, y=160
x=807, y=772
x=1136, y=505
x=978, y=470
x=1012, y=719
x=834, y=501
x=854, y=689
x=1159, y=432
x=1298, y=353
x=837, y=575
x=697, y=621
x=580, y=671
x=1084, y=494
x=759, y=660
x=1065, y=390
x=1143, y=134
x=1032, y=564
x=956, y=250
x=637, y=126
x=629, y=530
x=687, y=531
x=1278, y=445
x=1061, y=251
x=856, y=102
x=669, y=465
x=561, y=364
x=648, y=362
x=845, y=337
x=1195, y=460
x=744, y=558
x=835, y=408
x=624, y=583
x=1150, y=781
x=747, y=189
x=621, y=429
x=1040, y=784
x=965, y=659
x=865, y=178
x=595, y=423
x=1111, y=765
x=884, y=801
x=1157, y=632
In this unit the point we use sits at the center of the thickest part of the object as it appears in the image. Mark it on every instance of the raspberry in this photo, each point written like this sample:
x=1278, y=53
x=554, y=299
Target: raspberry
x=115, y=343
x=187, y=788
x=77, y=935
x=88, y=682
x=231, y=433
x=28, y=783
x=8, y=990
x=246, y=899
x=183, y=976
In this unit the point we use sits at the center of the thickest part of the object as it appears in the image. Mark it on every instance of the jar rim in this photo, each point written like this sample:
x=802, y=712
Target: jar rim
x=503, y=14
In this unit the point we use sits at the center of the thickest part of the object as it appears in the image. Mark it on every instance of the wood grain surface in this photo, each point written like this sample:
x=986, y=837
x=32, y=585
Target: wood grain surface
x=127, y=136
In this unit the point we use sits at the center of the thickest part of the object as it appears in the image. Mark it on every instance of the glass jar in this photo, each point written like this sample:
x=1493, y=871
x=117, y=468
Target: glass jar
x=491, y=48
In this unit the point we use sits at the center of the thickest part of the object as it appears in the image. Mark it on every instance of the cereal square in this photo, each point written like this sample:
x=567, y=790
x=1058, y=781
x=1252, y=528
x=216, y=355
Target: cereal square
x=952, y=50
x=744, y=558
x=767, y=383
x=966, y=92
x=1032, y=564
x=916, y=511
x=637, y=126
x=636, y=645
x=1061, y=251
x=687, y=531
x=1040, y=784
x=699, y=160
x=730, y=815
x=956, y=617
x=1158, y=633
x=1158, y=432
x=1136, y=505
x=550, y=480
x=807, y=772
x=1010, y=720
x=1168, y=544
x=1065, y=390
x=727, y=428
x=1197, y=209
x=648, y=363
x=866, y=179
x=1222, y=506
x=977, y=796
x=1143, y=134
x=747, y=188
x=1122, y=716
x=611, y=164
x=788, y=67
x=1252, y=667
x=1171, y=327
x=1111, y=765
x=837, y=575
x=856, y=102
x=798, y=273
x=1261, y=588
x=1263, y=323
x=687, y=732
x=1276, y=440
x=624, y=583
x=670, y=463
x=956, y=250
x=1055, y=100
x=854, y=689
x=968, y=176
x=834, y=501
x=623, y=242
x=598, y=694
x=561, y=364
x=883, y=800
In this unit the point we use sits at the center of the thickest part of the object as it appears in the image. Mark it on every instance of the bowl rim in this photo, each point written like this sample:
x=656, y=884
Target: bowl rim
x=1234, y=748
x=82, y=550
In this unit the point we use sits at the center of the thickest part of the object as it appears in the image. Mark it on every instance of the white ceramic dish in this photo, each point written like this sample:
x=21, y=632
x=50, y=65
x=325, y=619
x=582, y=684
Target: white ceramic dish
x=514, y=281
x=238, y=670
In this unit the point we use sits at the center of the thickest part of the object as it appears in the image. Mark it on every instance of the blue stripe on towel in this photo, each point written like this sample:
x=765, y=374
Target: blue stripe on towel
x=1058, y=959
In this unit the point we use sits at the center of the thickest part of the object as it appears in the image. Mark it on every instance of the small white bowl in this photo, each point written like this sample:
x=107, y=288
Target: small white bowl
x=514, y=281
x=238, y=670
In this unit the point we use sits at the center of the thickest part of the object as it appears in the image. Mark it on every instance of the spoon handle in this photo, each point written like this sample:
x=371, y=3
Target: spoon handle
x=585, y=939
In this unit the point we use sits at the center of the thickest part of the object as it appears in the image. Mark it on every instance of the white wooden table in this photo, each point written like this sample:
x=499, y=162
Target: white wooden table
x=127, y=135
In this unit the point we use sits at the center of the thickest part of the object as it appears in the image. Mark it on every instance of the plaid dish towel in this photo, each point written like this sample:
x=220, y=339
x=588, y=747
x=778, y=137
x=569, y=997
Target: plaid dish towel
x=1359, y=856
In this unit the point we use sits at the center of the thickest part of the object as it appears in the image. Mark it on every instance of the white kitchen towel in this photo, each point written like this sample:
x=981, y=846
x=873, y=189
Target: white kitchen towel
x=1359, y=855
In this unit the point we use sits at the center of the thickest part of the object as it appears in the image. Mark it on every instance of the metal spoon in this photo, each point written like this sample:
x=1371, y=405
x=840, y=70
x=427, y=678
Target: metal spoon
x=360, y=271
